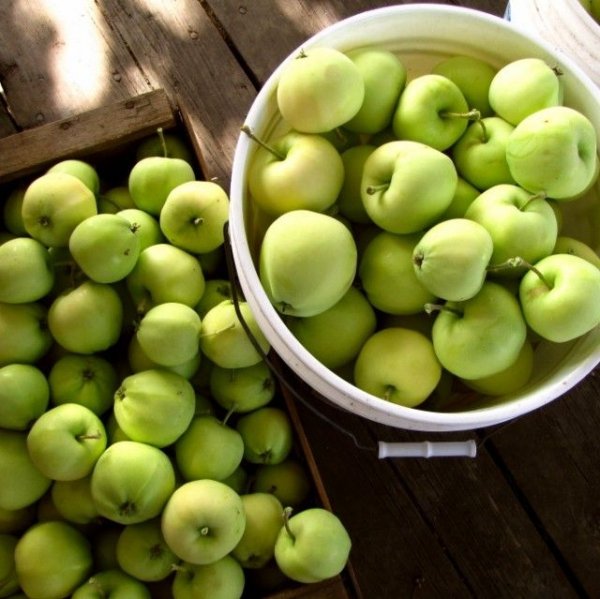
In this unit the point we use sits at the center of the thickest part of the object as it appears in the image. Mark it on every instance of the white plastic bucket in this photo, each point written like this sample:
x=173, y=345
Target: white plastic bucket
x=566, y=26
x=421, y=34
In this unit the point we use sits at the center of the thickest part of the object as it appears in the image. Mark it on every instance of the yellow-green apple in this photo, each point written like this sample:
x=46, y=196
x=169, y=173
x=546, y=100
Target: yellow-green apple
x=203, y=521
x=560, y=297
x=576, y=247
x=24, y=395
x=387, y=362
x=452, y=257
x=387, y=275
x=81, y=169
x=131, y=482
x=480, y=336
x=336, y=335
x=154, y=406
x=221, y=579
x=295, y=171
x=319, y=89
x=313, y=545
x=12, y=216
x=463, y=197
x=216, y=290
x=148, y=227
x=554, y=151
x=26, y=271
x=114, y=200
x=53, y=205
x=524, y=86
x=287, y=480
x=432, y=110
x=399, y=171
x=112, y=583
x=349, y=201
x=307, y=262
x=65, y=442
x=164, y=144
x=73, y=500
x=384, y=77
x=193, y=216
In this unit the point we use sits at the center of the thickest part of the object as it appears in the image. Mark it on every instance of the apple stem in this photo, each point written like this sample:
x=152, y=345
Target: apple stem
x=506, y=265
x=540, y=195
x=204, y=531
x=231, y=410
x=521, y=262
x=261, y=143
x=484, y=132
x=163, y=143
x=287, y=512
x=227, y=328
x=371, y=189
x=471, y=115
x=87, y=436
x=430, y=308
x=389, y=390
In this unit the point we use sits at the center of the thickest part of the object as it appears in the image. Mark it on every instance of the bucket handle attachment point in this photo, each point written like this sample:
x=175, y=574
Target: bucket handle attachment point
x=427, y=449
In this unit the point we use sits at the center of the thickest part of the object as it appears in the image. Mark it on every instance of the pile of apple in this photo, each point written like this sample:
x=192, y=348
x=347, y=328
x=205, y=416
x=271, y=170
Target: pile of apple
x=413, y=225
x=144, y=450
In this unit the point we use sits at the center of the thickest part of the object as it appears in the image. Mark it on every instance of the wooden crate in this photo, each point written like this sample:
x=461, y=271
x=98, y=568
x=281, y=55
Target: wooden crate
x=109, y=135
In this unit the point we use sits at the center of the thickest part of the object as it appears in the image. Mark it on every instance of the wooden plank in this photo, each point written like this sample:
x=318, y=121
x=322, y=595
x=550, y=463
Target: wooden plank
x=178, y=47
x=100, y=129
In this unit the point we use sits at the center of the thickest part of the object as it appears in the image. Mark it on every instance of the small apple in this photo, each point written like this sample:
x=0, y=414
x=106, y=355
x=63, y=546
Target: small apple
x=26, y=271
x=307, y=262
x=114, y=200
x=164, y=143
x=203, y=521
x=12, y=216
x=576, y=247
x=147, y=226
x=53, y=205
x=387, y=362
x=319, y=89
x=288, y=481
x=462, y=199
x=221, y=579
x=73, y=500
x=215, y=292
x=65, y=442
x=193, y=216
x=131, y=482
x=111, y=583
x=349, y=200
x=81, y=169
x=313, y=545
x=24, y=395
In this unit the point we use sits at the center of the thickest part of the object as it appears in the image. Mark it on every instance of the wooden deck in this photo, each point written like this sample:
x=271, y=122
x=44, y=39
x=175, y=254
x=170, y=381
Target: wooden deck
x=520, y=520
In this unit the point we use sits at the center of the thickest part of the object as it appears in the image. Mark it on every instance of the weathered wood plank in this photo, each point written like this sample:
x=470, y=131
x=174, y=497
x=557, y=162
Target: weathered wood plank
x=178, y=47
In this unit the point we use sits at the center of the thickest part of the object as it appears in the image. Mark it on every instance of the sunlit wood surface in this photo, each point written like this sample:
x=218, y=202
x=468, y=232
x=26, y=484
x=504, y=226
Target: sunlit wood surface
x=520, y=520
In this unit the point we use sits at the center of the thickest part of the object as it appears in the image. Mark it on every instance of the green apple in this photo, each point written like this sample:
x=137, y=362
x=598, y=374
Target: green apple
x=288, y=481
x=114, y=200
x=267, y=434
x=224, y=339
x=519, y=223
x=560, y=297
x=463, y=197
x=86, y=319
x=105, y=246
x=452, y=257
x=154, y=406
x=65, y=442
x=319, y=89
x=24, y=334
x=131, y=482
x=111, y=583
x=142, y=552
x=169, y=333
x=73, y=500
x=89, y=380
x=473, y=77
x=52, y=559
x=313, y=545
x=9, y=583
x=509, y=380
x=147, y=226
x=208, y=448
x=24, y=395
x=397, y=172
x=203, y=521
x=335, y=336
x=554, y=151
x=263, y=522
x=21, y=483
x=222, y=579
x=238, y=480
x=387, y=362
x=53, y=205
x=480, y=336
x=432, y=110
x=384, y=77
x=387, y=275
x=307, y=262
x=523, y=87
x=12, y=216
x=152, y=179
x=165, y=273
x=81, y=169
x=167, y=144
x=349, y=200
x=193, y=216
x=242, y=389
x=480, y=154
x=215, y=291
x=26, y=272
x=295, y=171
x=576, y=247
